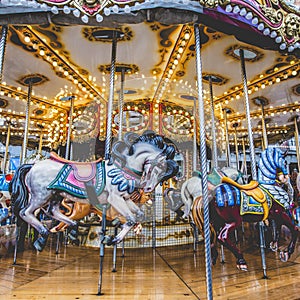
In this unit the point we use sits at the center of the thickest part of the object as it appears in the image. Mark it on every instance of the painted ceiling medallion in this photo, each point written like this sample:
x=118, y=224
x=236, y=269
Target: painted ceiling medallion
x=296, y=89
x=3, y=103
x=39, y=112
x=97, y=34
x=250, y=54
x=259, y=101
x=129, y=68
x=188, y=97
x=215, y=78
x=35, y=79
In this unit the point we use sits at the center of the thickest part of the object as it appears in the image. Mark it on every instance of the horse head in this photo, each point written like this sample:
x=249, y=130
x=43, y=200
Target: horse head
x=272, y=166
x=156, y=170
x=157, y=157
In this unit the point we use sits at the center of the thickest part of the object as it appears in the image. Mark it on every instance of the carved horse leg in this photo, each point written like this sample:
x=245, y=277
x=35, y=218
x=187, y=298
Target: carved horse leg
x=77, y=212
x=28, y=216
x=109, y=240
x=58, y=215
x=284, y=219
x=275, y=236
x=229, y=227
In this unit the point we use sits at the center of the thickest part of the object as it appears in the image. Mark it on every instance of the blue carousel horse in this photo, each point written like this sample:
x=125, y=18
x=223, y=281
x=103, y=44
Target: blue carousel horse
x=138, y=162
x=233, y=203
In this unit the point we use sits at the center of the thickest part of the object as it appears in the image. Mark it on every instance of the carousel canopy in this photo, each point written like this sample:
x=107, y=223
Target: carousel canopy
x=55, y=51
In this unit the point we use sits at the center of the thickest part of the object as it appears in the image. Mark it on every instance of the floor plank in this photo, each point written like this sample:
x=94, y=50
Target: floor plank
x=164, y=273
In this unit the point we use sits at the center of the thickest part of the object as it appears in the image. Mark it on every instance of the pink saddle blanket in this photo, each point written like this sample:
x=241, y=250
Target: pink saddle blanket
x=82, y=171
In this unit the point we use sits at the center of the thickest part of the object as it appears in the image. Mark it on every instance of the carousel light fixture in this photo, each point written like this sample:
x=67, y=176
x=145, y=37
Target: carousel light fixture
x=12, y=92
x=60, y=65
x=181, y=44
x=293, y=107
x=262, y=82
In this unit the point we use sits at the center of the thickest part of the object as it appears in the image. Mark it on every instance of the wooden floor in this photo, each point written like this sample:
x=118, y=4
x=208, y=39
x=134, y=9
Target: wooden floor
x=163, y=273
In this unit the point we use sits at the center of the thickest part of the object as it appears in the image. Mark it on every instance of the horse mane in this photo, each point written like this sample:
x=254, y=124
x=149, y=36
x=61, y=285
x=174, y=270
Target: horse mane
x=157, y=141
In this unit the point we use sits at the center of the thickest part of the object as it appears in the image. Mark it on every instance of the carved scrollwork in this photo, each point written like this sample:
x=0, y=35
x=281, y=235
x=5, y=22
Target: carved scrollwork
x=213, y=3
x=284, y=19
x=274, y=15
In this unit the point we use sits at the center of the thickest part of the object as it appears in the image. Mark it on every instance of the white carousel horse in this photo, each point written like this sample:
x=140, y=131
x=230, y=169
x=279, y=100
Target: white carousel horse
x=140, y=162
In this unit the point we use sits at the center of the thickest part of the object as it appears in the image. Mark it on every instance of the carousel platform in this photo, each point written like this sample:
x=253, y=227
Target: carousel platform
x=175, y=272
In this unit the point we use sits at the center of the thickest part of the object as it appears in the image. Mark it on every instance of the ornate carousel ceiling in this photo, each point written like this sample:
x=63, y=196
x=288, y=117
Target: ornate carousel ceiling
x=62, y=53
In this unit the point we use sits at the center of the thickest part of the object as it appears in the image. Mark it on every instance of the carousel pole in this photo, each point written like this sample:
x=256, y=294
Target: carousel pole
x=121, y=129
x=6, y=146
x=27, y=116
x=244, y=158
x=244, y=171
x=235, y=125
x=252, y=155
x=297, y=141
x=108, y=142
x=213, y=126
x=193, y=225
x=70, y=124
x=262, y=103
x=3, y=40
x=214, y=140
x=226, y=112
x=203, y=159
x=41, y=140
x=67, y=154
x=22, y=230
x=195, y=137
x=121, y=103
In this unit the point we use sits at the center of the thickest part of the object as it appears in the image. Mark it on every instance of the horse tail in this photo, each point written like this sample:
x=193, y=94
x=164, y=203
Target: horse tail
x=18, y=190
x=198, y=218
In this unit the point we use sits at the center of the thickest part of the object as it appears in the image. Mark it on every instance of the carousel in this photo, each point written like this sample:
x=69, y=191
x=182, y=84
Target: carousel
x=149, y=149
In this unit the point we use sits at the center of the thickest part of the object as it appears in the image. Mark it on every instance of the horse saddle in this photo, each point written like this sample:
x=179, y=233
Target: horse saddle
x=253, y=191
x=83, y=171
x=73, y=175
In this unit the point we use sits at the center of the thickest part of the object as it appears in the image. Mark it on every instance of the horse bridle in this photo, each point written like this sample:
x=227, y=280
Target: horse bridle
x=155, y=162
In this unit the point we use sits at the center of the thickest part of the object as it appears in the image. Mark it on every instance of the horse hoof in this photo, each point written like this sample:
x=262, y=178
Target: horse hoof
x=242, y=267
x=72, y=237
x=75, y=242
x=116, y=222
x=108, y=240
x=274, y=246
x=241, y=264
x=284, y=256
x=39, y=244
